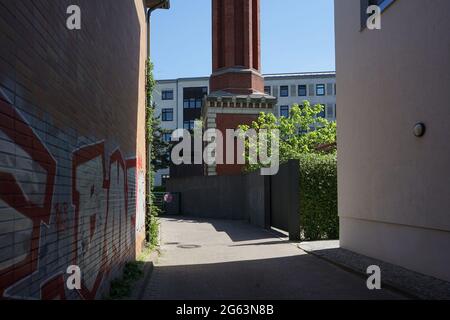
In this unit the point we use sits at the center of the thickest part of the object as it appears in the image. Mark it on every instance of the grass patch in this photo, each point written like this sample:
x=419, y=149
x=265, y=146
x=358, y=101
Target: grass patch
x=153, y=230
x=132, y=272
x=121, y=288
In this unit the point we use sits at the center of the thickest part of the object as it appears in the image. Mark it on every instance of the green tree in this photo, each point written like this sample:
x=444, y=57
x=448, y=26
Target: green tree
x=300, y=133
x=151, y=220
x=160, y=147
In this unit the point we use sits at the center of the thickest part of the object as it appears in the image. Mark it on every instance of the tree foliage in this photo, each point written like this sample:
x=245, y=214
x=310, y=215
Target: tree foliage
x=160, y=147
x=151, y=220
x=300, y=133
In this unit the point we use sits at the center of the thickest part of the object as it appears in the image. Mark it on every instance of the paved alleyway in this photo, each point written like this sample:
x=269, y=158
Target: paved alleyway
x=212, y=259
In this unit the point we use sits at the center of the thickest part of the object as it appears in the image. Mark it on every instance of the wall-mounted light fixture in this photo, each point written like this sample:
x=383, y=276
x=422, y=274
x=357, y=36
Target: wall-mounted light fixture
x=419, y=129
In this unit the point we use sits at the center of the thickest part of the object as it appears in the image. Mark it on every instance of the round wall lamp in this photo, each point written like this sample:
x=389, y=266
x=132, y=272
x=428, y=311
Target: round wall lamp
x=419, y=129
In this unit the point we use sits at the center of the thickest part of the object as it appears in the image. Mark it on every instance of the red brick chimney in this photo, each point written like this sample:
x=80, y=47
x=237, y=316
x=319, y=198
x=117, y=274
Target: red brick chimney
x=236, y=47
x=236, y=84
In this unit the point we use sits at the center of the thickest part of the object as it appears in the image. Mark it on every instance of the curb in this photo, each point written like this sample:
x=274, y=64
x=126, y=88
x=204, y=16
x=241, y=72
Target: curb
x=400, y=280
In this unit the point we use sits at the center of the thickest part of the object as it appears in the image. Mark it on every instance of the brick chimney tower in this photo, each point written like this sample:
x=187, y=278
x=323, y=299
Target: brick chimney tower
x=236, y=84
x=236, y=47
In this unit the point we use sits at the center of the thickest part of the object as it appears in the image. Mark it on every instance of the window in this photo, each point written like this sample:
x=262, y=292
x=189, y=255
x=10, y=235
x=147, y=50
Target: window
x=320, y=90
x=284, y=111
x=167, y=115
x=284, y=91
x=193, y=97
x=322, y=113
x=330, y=111
x=268, y=90
x=192, y=103
x=167, y=137
x=167, y=95
x=302, y=91
x=189, y=125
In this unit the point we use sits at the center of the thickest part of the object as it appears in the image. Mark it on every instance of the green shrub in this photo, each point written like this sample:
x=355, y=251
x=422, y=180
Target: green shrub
x=152, y=231
x=318, y=197
x=159, y=189
x=121, y=288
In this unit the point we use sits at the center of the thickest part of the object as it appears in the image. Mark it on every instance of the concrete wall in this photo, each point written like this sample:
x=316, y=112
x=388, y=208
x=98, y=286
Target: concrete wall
x=247, y=197
x=211, y=197
x=242, y=197
x=72, y=145
x=394, y=188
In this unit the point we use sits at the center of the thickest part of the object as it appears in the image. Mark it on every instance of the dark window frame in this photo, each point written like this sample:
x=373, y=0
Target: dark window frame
x=285, y=108
x=165, y=112
x=317, y=89
x=192, y=100
x=164, y=95
x=301, y=87
x=284, y=89
x=323, y=113
x=269, y=91
x=190, y=125
x=167, y=137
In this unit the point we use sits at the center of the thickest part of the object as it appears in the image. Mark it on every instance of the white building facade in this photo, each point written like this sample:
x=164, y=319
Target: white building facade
x=179, y=101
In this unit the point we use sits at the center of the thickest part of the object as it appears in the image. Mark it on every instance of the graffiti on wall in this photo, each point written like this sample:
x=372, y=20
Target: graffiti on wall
x=62, y=207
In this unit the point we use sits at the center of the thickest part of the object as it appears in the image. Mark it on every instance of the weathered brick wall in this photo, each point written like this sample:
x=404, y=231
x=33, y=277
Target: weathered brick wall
x=72, y=144
x=231, y=121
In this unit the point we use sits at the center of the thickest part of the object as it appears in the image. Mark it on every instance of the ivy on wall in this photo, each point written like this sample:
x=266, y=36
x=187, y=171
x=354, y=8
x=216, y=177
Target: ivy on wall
x=151, y=220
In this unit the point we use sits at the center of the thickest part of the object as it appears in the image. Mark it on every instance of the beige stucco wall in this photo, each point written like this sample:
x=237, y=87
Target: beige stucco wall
x=394, y=188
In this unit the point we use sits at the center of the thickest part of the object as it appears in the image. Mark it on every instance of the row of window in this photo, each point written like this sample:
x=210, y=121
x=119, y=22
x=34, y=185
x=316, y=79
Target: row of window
x=189, y=93
x=196, y=103
x=192, y=103
x=328, y=110
x=167, y=115
x=302, y=90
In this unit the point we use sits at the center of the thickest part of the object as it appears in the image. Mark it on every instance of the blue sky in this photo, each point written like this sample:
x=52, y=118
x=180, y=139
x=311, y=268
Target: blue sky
x=296, y=36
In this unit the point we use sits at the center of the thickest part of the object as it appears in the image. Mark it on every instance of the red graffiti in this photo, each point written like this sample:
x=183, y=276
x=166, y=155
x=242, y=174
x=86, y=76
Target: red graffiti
x=103, y=197
x=18, y=190
x=61, y=211
x=54, y=289
x=103, y=236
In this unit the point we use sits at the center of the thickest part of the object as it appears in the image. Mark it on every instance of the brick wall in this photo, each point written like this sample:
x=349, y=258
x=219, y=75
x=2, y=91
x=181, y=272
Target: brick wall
x=72, y=145
x=231, y=121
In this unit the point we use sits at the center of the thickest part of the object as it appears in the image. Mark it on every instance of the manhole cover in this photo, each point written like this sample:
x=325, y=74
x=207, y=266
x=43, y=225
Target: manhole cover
x=188, y=246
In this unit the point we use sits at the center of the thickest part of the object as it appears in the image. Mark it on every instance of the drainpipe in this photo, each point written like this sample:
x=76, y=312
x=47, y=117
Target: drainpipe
x=160, y=5
x=163, y=4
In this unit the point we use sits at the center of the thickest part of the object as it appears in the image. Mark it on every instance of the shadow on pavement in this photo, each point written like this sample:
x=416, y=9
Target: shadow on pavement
x=287, y=278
